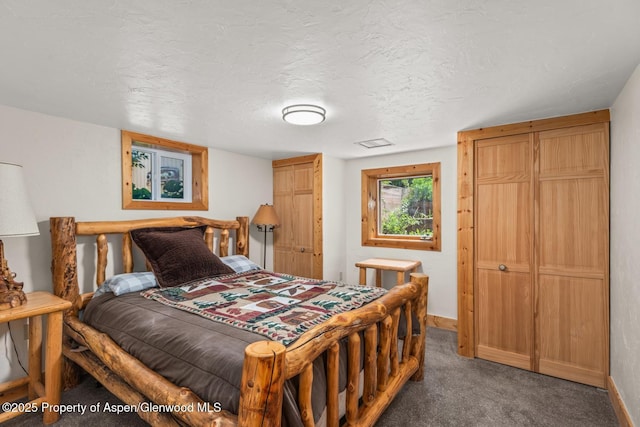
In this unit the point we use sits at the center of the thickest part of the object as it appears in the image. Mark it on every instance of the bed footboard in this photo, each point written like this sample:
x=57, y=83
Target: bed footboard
x=138, y=384
x=389, y=361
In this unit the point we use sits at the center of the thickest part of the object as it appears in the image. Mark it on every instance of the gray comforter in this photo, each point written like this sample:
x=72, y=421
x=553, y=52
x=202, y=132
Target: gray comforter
x=190, y=351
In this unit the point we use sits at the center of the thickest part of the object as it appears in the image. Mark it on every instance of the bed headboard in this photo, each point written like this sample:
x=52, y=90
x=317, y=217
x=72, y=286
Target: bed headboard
x=64, y=232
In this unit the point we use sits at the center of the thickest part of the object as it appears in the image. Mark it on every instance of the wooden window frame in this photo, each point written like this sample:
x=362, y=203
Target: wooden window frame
x=370, y=235
x=199, y=176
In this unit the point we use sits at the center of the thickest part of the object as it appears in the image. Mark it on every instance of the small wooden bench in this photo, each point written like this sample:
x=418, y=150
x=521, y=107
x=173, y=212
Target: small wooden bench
x=401, y=266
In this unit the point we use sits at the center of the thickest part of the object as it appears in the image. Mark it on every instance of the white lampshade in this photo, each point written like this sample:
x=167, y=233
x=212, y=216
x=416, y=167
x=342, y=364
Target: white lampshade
x=16, y=215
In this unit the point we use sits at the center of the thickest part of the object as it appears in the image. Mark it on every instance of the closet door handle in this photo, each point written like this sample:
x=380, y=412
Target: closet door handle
x=502, y=267
x=301, y=249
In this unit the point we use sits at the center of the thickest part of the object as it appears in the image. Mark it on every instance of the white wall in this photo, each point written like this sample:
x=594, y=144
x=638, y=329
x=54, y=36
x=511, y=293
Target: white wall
x=625, y=252
x=440, y=266
x=333, y=223
x=74, y=169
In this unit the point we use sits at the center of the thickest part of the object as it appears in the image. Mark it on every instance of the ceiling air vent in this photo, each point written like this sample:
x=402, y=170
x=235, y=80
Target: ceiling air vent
x=375, y=143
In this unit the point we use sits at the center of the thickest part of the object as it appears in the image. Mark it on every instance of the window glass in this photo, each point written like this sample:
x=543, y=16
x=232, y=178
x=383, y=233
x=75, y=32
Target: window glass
x=159, y=174
x=171, y=178
x=406, y=206
x=401, y=207
x=141, y=166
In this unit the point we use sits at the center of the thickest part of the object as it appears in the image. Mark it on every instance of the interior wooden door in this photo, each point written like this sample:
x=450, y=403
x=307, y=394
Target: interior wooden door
x=302, y=245
x=283, y=204
x=297, y=199
x=503, y=265
x=573, y=236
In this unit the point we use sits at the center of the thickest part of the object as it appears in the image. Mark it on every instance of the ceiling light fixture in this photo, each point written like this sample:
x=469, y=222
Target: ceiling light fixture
x=303, y=114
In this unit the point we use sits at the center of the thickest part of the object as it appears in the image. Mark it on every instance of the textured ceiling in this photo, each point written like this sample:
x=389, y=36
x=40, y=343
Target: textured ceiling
x=218, y=73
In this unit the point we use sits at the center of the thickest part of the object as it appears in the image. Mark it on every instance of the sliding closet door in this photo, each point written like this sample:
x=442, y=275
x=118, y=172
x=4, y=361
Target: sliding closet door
x=539, y=285
x=573, y=235
x=503, y=265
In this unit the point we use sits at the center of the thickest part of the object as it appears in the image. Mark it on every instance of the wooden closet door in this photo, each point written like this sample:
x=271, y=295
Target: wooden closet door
x=573, y=236
x=283, y=204
x=503, y=267
x=297, y=199
x=302, y=247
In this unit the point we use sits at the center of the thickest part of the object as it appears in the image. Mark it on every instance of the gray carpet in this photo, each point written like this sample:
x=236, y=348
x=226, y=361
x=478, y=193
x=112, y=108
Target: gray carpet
x=456, y=392
x=472, y=392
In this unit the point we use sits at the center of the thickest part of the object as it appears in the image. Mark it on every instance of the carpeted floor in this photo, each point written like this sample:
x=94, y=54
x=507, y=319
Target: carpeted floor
x=456, y=392
x=472, y=392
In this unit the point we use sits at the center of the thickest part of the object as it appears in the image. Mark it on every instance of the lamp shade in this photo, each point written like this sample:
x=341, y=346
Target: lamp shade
x=266, y=215
x=16, y=215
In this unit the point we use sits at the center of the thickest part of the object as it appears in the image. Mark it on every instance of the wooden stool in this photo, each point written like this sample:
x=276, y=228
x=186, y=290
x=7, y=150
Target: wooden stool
x=401, y=266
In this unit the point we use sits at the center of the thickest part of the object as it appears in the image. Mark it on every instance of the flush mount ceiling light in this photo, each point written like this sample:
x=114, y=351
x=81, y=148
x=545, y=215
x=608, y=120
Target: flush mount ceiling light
x=303, y=114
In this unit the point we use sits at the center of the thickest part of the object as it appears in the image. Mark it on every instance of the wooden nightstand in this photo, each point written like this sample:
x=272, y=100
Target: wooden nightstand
x=38, y=304
x=401, y=266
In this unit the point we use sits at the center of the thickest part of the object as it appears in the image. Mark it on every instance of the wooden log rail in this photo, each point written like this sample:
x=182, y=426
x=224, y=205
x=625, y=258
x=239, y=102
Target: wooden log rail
x=387, y=363
x=101, y=229
x=63, y=240
x=386, y=368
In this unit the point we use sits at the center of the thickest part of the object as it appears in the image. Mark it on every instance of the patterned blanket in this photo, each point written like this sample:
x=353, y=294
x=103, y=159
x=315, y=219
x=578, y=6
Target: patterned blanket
x=278, y=306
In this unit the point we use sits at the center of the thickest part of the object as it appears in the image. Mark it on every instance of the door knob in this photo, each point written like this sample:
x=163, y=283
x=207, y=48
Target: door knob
x=301, y=249
x=502, y=267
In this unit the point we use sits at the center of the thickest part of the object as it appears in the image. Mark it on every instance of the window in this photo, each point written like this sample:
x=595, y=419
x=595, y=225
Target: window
x=162, y=174
x=159, y=175
x=401, y=207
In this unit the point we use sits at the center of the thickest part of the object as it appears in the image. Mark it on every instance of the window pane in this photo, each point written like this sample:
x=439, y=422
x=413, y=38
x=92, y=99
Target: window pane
x=171, y=178
x=406, y=206
x=401, y=207
x=141, y=174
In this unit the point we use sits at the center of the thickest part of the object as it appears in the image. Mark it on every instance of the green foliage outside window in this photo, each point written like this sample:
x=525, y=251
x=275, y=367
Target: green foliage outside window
x=140, y=193
x=413, y=214
x=137, y=157
x=173, y=189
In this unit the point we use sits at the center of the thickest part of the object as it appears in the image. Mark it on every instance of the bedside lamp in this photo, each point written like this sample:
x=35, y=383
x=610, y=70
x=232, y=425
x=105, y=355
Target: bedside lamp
x=16, y=219
x=266, y=219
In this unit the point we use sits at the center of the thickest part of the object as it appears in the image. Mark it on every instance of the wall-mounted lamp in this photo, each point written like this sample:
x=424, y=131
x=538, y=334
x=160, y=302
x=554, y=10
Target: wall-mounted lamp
x=303, y=114
x=266, y=219
x=16, y=219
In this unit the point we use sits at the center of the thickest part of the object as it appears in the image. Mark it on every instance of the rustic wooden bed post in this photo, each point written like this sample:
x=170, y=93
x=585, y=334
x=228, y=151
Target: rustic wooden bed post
x=65, y=281
x=242, y=236
x=418, y=346
x=262, y=386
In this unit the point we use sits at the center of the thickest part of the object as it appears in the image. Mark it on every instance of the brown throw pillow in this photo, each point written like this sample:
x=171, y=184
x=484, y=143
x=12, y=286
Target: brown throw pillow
x=178, y=255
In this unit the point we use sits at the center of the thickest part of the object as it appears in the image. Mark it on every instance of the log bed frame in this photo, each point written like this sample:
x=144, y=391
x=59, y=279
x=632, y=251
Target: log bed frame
x=389, y=361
